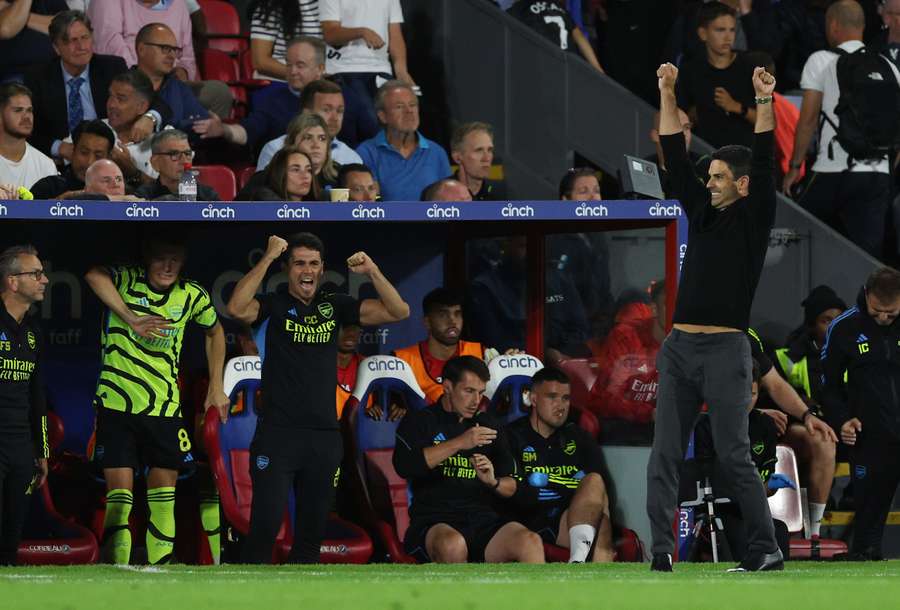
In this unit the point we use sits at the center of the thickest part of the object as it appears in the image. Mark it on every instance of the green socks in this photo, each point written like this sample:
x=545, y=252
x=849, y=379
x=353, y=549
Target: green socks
x=116, y=535
x=160, y=524
x=209, y=518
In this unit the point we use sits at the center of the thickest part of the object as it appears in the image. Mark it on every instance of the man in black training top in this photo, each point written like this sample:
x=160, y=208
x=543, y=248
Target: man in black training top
x=448, y=452
x=862, y=345
x=297, y=444
x=706, y=357
x=23, y=406
x=560, y=494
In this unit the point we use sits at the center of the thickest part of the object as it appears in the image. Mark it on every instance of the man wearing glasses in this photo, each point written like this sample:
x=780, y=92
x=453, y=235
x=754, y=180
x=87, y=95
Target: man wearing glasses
x=157, y=53
x=117, y=27
x=23, y=410
x=171, y=151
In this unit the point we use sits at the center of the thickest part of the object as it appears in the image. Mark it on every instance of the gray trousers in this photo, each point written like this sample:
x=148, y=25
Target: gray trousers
x=716, y=369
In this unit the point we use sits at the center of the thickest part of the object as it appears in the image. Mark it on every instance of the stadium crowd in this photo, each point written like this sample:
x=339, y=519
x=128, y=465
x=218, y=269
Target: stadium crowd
x=119, y=100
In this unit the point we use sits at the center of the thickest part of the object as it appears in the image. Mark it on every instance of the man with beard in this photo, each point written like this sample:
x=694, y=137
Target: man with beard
x=297, y=445
x=443, y=320
x=20, y=163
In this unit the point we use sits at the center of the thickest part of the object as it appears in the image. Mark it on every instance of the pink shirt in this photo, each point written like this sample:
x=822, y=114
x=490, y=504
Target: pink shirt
x=117, y=22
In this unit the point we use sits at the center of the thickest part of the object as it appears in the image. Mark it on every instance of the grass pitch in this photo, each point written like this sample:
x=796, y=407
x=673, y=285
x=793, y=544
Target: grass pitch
x=822, y=586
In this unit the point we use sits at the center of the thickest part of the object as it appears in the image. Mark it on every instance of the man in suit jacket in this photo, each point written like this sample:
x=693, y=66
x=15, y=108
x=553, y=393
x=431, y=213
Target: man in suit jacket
x=71, y=88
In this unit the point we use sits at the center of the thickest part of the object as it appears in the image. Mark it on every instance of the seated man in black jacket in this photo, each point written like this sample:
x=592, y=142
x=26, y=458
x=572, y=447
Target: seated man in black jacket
x=560, y=494
x=92, y=140
x=447, y=451
x=171, y=152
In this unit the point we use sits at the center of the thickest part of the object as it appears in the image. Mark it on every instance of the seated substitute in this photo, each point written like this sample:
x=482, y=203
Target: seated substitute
x=763, y=434
x=443, y=319
x=447, y=451
x=560, y=492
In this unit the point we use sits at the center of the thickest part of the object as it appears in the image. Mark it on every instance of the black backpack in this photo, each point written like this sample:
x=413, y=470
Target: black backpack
x=868, y=109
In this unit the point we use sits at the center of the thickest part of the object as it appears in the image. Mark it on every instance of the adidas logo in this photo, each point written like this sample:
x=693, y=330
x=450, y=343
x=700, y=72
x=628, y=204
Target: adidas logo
x=293, y=311
x=440, y=438
x=3, y=337
x=875, y=76
x=862, y=338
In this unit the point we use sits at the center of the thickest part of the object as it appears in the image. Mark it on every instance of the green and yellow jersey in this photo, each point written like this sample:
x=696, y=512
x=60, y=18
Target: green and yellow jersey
x=138, y=375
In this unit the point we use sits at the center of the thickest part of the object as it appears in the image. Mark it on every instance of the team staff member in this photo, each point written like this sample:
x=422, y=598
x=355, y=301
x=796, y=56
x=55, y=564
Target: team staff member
x=139, y=420
x=865, y=342
x=560, y=489
x=23, y=407
x=448, y=455
x=706, y=357
x=297, y=444
x=443, y=318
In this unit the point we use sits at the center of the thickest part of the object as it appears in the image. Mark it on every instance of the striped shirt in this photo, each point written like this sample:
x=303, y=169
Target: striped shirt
x=271, y=27
x=139, y=375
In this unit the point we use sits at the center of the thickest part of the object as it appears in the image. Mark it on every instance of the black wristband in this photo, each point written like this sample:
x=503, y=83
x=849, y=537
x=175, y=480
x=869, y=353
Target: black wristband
x=496, y=485
x=805, y=415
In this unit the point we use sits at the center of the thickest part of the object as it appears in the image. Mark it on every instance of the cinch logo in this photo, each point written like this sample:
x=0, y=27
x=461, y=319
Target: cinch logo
x=368, y=212
x=387, y=365
x=591, y=211
x=218, y=211
x=665, y=210
x=66, y=210
x=248, y=365
x=2, y=210
x=436, y=211
x=527, y=362
x=339, y=549
x=684, y=524
x=512, y=211
x=287, y=212
x=138, y=211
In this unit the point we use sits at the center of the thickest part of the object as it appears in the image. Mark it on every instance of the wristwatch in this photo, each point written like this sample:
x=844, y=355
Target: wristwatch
x=152, y=117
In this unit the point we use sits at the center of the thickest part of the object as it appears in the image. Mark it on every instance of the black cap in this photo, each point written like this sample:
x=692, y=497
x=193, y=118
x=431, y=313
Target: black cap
x=821, y=298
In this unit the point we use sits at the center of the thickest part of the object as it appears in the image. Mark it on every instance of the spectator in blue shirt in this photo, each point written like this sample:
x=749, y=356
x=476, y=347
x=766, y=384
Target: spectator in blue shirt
x=403, y=160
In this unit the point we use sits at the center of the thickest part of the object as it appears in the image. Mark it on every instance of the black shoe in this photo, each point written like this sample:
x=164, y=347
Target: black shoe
x=867, y=555
x=662, y=562
x=761, y=562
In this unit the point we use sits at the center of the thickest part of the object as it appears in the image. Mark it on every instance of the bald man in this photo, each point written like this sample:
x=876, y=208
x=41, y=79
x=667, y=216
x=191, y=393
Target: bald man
x=853, y=193
x=104, y=177
x=447, y=189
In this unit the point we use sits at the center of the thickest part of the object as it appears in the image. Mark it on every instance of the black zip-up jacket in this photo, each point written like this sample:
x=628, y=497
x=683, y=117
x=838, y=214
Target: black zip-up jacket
x=23, y=404
x=871, y=356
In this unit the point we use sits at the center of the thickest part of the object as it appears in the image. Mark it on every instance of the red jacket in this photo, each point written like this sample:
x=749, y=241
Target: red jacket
x=628, y=380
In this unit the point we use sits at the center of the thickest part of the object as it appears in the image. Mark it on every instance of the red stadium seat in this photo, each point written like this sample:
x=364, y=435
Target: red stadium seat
x=386, y=494
x=582, y=372
x=628, y=546
x=244, y=176
x=219, y=65
x=228, y=446
x=219, y=177
x=223, y=26
x=47, y=537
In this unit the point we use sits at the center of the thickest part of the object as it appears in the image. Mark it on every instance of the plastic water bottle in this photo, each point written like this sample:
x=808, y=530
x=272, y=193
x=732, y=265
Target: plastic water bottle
x=187, y=186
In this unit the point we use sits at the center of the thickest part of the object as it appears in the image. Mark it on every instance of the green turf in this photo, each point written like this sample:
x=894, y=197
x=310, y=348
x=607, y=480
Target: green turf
x=821, y=586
